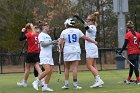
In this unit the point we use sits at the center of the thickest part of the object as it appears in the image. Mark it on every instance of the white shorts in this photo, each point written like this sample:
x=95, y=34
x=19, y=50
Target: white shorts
x=72, y=56
x=45, y=60
x=92, y=53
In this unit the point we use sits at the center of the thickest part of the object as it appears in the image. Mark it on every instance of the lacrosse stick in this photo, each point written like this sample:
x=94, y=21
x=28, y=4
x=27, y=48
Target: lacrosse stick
x=128, y=60
x=117, y=51
x=59, y=62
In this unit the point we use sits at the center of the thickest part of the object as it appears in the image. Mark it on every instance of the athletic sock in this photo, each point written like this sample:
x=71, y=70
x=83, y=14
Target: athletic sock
x=138, y=78
x=75, y=82
x=129, y=78
x=46, y=85
x=97, y=78
x=25, y=81
x=66, y=82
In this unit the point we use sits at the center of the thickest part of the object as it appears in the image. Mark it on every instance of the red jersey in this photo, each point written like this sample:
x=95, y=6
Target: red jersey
x=133, y=44
x=33, y=44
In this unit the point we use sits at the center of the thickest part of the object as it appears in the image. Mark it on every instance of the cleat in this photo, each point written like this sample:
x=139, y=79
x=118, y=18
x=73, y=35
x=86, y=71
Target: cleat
x=35, y=85
x=65, y=87
x=22, y=84
x=100, y=86
x=45, y=88
x=127, y=82
x=77, y=87
x=97, y=84
x=137, y=82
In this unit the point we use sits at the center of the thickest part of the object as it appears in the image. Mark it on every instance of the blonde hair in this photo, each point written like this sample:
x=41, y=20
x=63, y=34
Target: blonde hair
x=30, y=26
x=93, y=18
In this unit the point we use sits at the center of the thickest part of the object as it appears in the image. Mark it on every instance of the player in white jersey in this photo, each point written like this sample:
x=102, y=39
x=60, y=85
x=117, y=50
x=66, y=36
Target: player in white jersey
x=46, y=59
x=92, y=50
x=69, y=38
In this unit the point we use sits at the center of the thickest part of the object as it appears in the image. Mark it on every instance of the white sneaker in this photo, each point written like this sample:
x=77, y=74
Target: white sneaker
x=65, y=87
x=35, y=85
x=97, y=84
x=45, y=88
x=22, y=84
x=77, y=87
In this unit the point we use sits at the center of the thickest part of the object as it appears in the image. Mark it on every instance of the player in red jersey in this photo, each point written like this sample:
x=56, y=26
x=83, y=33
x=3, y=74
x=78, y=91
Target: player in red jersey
x=132, y=41
x=28, y=33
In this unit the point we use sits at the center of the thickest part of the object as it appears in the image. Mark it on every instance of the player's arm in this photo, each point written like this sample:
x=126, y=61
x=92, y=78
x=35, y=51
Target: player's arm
x=45, y=44
x=89, y=39
x=89, y=29
x=124, y=46
x=22, y=35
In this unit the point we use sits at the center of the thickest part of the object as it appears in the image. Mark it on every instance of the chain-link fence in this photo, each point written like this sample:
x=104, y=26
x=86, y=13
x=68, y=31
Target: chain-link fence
x=14, y=62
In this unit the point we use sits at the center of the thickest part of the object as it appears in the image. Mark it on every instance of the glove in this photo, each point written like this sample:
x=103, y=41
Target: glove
x=119, y=52
x=55, y=42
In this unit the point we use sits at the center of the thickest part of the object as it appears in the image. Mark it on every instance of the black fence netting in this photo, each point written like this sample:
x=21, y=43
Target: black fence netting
x=14, y=62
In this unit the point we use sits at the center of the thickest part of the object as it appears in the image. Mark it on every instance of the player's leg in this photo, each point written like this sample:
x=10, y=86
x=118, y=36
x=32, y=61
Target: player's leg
x=67, y=68
x=26, y=75
x=89, y=64
x=41, y=76
x=74, y=70
x=47, y=78
x=128, y=81
x=35, y=73
x=136, y=70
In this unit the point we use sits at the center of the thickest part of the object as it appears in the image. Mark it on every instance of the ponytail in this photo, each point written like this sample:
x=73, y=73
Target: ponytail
x=93, y=18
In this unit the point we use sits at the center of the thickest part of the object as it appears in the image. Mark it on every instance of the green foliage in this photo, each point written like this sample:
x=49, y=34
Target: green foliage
x=14, y=14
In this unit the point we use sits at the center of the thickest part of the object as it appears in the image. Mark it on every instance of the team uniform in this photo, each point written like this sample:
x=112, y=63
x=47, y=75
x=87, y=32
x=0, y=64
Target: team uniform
x=32, y=53
x=91, y=48
x=133, y=47
x=33, y=47
x=72, y=48
x=46, y=52
x=132, y=40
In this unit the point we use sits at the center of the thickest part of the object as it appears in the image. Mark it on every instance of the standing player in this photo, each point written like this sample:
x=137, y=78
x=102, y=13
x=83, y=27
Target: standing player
x=46, y=59
x=69, y=38
x=37, y=30
x=91, y=48
x=132, y=41
x=28, y=33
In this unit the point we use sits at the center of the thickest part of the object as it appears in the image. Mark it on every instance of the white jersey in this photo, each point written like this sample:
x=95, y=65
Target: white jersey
x=71, y=38
x=45, y=51
x=91, y=32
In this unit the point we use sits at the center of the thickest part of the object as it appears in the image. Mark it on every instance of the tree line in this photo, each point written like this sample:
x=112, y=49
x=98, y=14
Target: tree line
x=14, y=14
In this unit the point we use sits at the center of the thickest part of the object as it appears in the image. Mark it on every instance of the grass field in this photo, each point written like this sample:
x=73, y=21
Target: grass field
x=113, y=83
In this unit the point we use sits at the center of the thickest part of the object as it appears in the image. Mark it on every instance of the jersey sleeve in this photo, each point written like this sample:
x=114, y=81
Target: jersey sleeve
x=92, y=28
x=126, y=36
x=28, y=35
x=62, y=34
x=40, y=37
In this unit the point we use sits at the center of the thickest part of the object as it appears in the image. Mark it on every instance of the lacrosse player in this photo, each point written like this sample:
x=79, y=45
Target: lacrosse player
x=69, y=39
x=46, y=59
x=132, y=41
x=91, y=48
x=28, y=33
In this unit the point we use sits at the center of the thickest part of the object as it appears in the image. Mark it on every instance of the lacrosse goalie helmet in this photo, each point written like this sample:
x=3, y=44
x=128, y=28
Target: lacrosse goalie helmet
x=130, y=24
x=70, y=22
